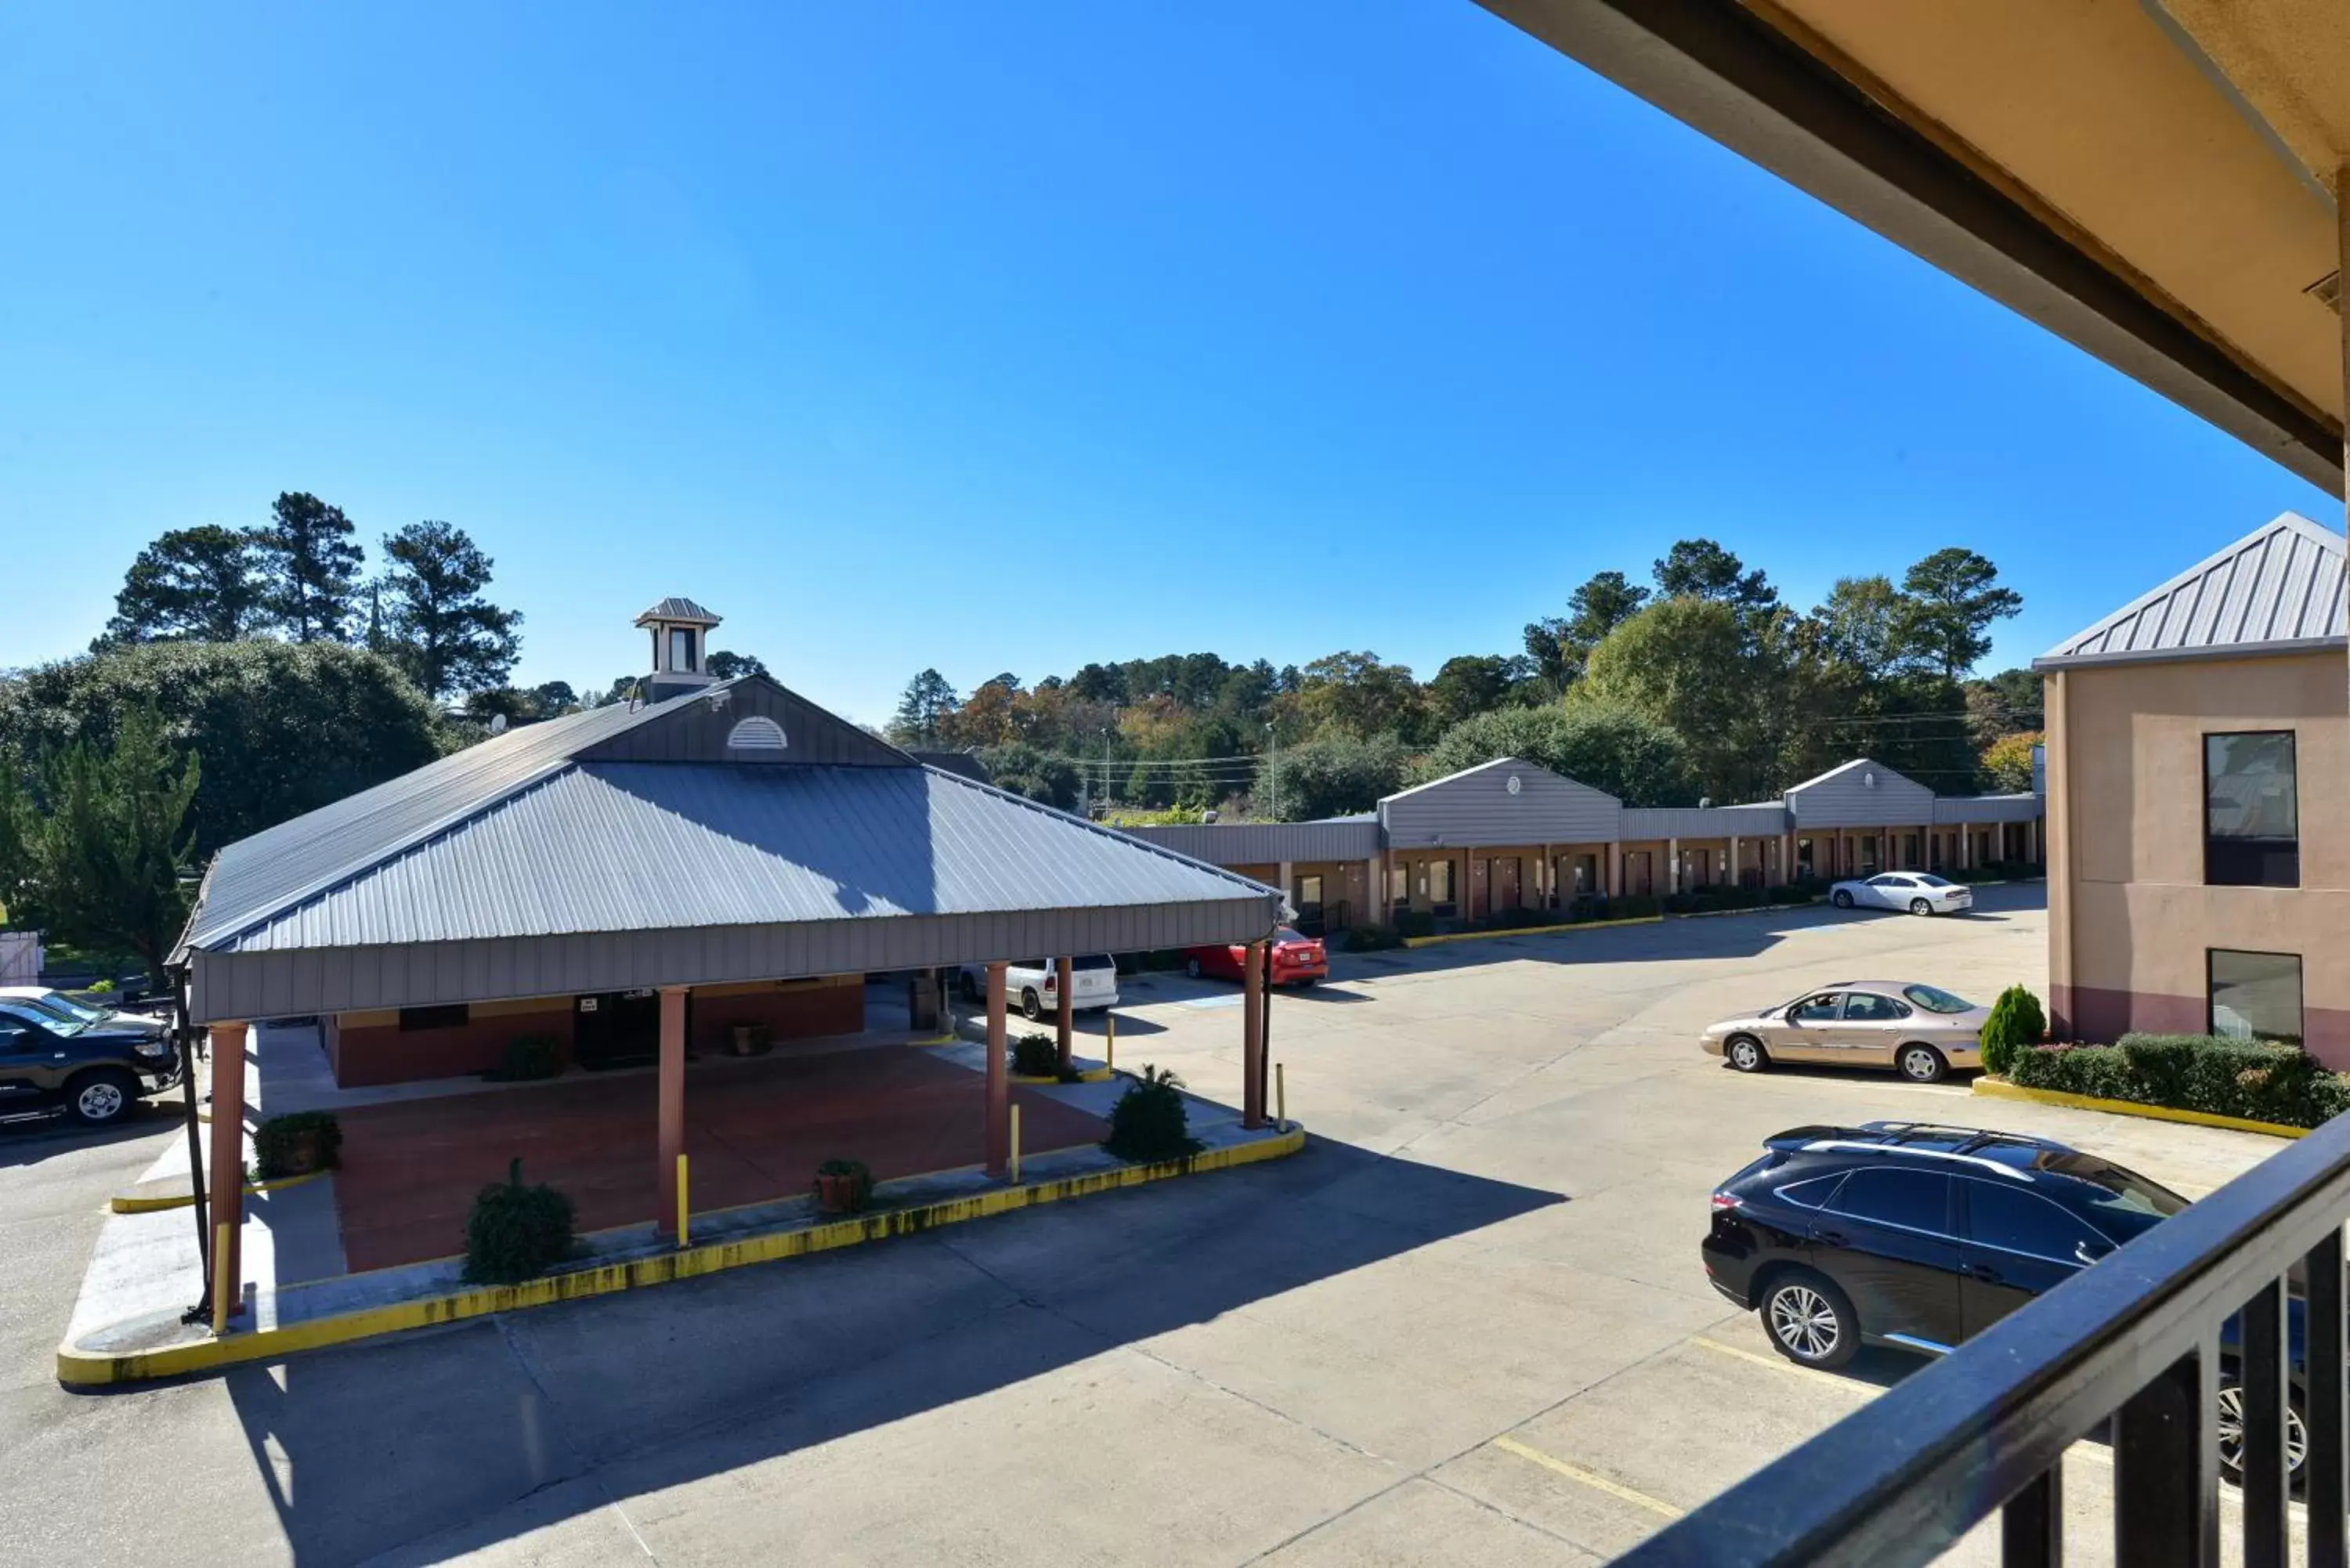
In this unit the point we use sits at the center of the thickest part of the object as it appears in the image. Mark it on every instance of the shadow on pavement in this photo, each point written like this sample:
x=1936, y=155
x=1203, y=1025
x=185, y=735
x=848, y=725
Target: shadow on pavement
x=420, y=1448
x=29, y=1139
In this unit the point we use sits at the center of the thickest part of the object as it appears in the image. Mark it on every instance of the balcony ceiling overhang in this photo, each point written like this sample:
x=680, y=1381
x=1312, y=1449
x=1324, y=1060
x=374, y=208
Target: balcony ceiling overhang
x=2153, y=180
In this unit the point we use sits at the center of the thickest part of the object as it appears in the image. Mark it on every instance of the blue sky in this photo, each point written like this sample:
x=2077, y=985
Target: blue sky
x=1004, y=338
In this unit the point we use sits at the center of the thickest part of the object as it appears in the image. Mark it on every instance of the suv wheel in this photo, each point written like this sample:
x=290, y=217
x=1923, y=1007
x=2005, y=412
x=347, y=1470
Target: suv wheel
x=1922, y=1064
x=2232, y=1436
x=1920, y=907
x=1840, y=899
x=1745, y=1052
x=100, y=1098
x=1810, y=1320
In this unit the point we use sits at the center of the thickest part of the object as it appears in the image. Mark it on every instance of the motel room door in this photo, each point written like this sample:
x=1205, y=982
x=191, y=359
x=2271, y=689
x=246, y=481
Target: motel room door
x=1504, y=884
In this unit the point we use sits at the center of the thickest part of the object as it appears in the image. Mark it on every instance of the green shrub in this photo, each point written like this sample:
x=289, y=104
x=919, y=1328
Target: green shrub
x=1037, y=1055
x=1633, y=906
x=1369, y=939
x=528, y=1057
x=277, y=1143
x=100, y=987
x=1151, y=1123
x=1415, y=923
x=2211, y=1073
x=2016, y=1024
x=516, y=1232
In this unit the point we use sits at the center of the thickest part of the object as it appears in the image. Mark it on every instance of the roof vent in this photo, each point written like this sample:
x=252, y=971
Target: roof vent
x=2327, y=291
x=755, y=734
x=1869, y=781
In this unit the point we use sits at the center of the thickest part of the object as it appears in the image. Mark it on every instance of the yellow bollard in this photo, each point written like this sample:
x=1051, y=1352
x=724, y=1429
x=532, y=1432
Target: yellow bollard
x=683, y=1208
x=222, y=1306
x=1015, y=1144
x=1280, y=1098
x=1109, y=1059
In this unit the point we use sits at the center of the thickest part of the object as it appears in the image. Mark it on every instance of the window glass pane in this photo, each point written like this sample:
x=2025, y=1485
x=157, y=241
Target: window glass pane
x=1870, y=1008
x=2251, y=810
x=2023, y=1222
x=1309, y=890
x=1814, y=1193
x=1934, y=998
x=2256, y=996
x=1916, y=1199
x=680, y=648
x=1440, y=881
x=1817, y=1007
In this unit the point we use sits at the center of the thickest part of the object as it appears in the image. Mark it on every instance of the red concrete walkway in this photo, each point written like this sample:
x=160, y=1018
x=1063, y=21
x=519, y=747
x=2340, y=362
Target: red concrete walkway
x=754, y=1131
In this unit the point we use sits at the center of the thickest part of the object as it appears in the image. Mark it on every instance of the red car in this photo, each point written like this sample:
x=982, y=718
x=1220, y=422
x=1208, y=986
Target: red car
x=1296, y=959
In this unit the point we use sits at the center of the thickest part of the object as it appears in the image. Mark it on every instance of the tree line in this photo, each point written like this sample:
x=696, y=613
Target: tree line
x=1701, y=683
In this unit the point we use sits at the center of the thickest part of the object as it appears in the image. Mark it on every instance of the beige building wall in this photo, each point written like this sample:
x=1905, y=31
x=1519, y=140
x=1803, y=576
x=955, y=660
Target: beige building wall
x=2131, y=923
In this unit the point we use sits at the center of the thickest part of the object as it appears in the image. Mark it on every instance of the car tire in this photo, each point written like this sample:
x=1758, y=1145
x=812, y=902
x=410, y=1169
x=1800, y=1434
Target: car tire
x=1920, y=907
x=101, y=1098
x=1809, y=1321
x=1191, y=967
x=1745, y=1054
x=1921, y=1063
x=1840, y=899
x=1032, y=1006
x=2229, y=1429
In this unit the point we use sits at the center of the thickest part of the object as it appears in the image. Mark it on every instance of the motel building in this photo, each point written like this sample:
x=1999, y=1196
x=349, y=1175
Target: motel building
x=1509, y=835
x=638, y=883
x=2199, y=871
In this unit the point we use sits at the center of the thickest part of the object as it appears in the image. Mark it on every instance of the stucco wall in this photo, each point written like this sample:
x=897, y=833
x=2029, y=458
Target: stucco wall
x=2133, y=923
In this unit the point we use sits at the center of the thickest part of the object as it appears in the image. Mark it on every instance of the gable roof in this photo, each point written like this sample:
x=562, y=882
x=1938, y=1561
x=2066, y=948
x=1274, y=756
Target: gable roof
x=2278, y=589
x=1857, y=764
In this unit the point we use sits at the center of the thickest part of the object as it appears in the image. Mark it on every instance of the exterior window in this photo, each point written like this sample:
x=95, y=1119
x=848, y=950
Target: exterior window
x=2256, y=996
x=1440, y=881
x=1911, y=1199
x=1309, y=895
x=2026, y=1222
x=680, y=648
x=414, y=1018
x=1587, y=874
x=1803, y=856
x=2251, y=810
x=1868, y=855
x=1398, y=885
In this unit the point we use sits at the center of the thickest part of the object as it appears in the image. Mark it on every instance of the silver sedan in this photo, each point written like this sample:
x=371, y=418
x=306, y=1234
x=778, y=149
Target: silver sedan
x=1919, y=892
x=1921, y=1032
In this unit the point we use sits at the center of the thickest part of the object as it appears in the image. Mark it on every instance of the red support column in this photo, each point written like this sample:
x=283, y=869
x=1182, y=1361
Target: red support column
x=999, y=1080
x=1066, y=976
x=1252, y=1036
x=673, y=1104
x=227, y=1173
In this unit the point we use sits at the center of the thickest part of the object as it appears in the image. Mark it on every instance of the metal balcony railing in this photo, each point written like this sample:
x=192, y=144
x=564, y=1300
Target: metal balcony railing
x=2131, y=1346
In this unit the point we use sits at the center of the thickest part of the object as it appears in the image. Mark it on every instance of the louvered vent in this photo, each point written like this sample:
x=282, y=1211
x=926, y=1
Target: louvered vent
x=2327, y=291
x=756, y=734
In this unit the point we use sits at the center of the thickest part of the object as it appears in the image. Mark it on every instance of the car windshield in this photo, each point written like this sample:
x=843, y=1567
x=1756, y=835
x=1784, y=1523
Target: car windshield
x=1931, y=881
x=2125, y=1203
x=1934, y=998
x=55, y=1023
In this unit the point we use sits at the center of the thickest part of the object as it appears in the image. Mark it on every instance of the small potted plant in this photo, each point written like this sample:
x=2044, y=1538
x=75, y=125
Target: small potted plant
x=842, y=1186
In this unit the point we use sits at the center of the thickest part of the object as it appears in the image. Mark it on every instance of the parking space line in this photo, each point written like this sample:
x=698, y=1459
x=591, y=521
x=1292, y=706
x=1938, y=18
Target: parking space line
x=1616, y=1490
x=1775, y=1363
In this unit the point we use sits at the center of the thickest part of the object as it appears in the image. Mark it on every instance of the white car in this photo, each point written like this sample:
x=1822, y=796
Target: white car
x=1919, y=892
x=1033, y=986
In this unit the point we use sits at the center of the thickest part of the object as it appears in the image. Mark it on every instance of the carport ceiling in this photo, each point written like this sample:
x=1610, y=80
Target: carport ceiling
x=2152, y=179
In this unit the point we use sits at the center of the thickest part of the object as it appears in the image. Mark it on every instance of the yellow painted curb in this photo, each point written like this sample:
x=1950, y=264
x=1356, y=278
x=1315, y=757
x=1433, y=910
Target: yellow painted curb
x=2000, y=1089
x=1531, y=930
x=1090, y=1075
x=941, y=1040
x=90, y=1368
x=131, y=1203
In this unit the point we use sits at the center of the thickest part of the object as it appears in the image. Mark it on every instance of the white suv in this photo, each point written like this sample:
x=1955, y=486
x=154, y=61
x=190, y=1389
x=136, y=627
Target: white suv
x=1033, y=986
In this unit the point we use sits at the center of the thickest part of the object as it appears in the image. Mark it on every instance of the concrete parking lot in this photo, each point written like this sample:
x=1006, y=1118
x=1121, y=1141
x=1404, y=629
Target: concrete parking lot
x=1467, y=1325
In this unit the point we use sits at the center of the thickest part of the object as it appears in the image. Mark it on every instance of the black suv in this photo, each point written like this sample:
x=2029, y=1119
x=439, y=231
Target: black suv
x=58, y=1054
x=1916, y=1236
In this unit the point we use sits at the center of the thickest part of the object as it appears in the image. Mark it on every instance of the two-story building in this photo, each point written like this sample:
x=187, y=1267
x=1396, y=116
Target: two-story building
x=2198, y=817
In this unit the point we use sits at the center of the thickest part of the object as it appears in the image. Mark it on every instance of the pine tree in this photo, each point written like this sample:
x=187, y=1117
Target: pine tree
x=309, y=567
x=194, y=585
x=438, y=627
